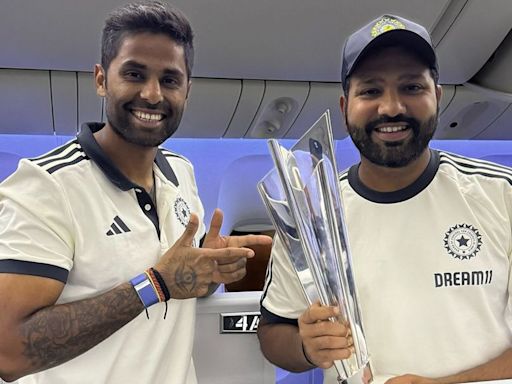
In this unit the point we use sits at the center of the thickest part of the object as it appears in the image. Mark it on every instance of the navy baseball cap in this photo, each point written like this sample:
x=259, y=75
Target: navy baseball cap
x=387, y=30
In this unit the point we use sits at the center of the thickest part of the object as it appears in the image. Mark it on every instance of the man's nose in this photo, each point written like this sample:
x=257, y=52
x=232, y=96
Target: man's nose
x=391, y=104
x=151, y=91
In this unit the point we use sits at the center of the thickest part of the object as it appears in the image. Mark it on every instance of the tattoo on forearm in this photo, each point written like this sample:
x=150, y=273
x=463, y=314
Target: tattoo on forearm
x=59, y=333
x=186, y=278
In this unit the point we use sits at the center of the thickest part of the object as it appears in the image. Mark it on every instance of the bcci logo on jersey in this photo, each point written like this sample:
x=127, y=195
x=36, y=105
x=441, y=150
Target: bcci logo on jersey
x=463, y=241
x=182, y=211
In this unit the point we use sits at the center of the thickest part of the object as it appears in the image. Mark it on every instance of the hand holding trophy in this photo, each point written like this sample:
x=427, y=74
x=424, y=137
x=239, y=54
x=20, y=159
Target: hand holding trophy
x=302, y=197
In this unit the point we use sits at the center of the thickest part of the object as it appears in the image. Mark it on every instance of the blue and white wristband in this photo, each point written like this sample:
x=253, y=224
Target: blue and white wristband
x=145, y=290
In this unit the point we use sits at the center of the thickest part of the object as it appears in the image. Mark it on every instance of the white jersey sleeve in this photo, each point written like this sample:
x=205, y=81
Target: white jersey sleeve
x=283, y=299
x=35, y=220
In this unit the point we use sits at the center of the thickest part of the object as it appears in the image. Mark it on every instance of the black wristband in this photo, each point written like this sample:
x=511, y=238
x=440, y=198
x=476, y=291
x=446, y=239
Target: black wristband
x=161, y=281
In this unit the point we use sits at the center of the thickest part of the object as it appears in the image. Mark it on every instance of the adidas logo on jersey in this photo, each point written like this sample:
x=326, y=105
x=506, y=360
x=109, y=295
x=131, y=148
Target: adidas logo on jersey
x=118, y=227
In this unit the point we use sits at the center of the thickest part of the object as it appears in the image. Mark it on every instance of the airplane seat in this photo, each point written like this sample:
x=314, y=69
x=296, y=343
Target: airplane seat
x=500, y=158
x=244, y=213
x=8, y=164
x=236, y=351
x=256, y=267
x=226, y=347
x=315, y=376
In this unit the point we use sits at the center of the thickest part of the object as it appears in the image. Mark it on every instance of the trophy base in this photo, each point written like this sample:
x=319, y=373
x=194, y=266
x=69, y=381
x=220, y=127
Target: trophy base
x=363, y=376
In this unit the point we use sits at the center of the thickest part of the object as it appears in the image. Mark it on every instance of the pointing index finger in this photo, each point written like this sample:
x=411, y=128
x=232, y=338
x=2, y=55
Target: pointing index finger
x=228, y=254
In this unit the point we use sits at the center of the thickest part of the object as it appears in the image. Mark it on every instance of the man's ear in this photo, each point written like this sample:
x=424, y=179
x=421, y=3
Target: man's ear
x=439, y=93
x=342, y=106
x=100, y=80
x=188, y=87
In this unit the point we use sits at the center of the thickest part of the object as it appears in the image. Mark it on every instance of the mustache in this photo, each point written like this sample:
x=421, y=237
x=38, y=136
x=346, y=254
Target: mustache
x=413, y=123
x=162, y=106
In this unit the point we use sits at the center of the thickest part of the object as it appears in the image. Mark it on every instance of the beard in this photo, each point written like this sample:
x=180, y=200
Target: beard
x=120, y=119
x=397, y=153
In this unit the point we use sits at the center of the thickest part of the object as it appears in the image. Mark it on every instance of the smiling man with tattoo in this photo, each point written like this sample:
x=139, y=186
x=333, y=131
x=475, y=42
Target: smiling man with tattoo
x=100, y=262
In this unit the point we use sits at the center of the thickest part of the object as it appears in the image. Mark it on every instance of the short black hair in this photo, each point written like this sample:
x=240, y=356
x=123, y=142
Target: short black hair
x=150, y=16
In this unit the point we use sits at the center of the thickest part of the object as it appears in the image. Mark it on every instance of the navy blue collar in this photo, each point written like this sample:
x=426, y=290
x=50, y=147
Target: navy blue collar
x=396, y=196
x=93, y=150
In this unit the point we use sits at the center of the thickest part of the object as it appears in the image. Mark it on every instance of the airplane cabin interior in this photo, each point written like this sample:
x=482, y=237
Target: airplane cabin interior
x=263, y=69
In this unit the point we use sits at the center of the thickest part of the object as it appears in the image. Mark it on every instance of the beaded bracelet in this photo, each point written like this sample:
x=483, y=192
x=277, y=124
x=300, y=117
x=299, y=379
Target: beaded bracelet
x=155, y=284
x=163, y=286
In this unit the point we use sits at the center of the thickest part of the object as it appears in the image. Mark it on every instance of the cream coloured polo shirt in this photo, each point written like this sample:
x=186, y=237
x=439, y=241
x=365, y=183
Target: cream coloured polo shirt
x=71, y=215
x=432, y=265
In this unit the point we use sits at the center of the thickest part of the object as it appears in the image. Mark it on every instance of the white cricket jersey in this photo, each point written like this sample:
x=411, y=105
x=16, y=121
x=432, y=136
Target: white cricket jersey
x=71, y=215
x=432, y=264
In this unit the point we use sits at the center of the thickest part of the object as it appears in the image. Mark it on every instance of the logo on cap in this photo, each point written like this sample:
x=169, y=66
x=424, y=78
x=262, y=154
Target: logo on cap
x=386, y=24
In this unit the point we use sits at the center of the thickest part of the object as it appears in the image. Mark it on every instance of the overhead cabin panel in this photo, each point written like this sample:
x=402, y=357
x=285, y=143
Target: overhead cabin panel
x=210, y=108
x=248, y=104
x=64, y=98
x=500, y=128
x=469, y=114
x=322, y=96
x=238, y=192
x=447, y=97
x=497, y=74
x=274, y=40
x=281, y=104
x=287, y=39
x=473, y=36
x=89, y=103
x=25, y=105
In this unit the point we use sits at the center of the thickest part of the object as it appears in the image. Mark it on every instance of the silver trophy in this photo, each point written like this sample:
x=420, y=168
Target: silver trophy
x=302, y=197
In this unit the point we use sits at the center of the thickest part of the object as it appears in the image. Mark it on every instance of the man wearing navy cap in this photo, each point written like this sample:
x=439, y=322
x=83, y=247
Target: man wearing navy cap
x=430, y=234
